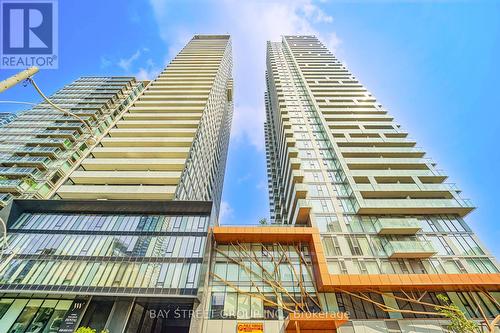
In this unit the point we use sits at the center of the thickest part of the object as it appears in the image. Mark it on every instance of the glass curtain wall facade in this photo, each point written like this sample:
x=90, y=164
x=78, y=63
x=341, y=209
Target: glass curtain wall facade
x=40, y=146
x=103, y=253
x=109, y=263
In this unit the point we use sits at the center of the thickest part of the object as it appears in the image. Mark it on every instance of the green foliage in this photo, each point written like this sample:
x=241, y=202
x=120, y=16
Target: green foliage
x=89, y=330
x=29, y=181
x=263, y=221
x=458, y=321
x=85, y=330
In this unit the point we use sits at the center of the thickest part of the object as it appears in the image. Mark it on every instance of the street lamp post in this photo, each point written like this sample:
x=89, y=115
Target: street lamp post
x=17, y=78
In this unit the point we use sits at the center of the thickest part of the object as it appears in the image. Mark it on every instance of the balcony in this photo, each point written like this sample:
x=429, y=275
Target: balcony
x=19, y=172
x=67, y=134
x=4, y=198
x=415, y=206
x=409, y=249
x=59, y=143
x=301, y=212
x=30, y=161
x=38, y=151
x=15, y=186
x=396, y=226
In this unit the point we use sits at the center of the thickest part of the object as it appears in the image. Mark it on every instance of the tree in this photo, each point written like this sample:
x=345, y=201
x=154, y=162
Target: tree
x=263, y=221
x=458, y=321
x=248, y=260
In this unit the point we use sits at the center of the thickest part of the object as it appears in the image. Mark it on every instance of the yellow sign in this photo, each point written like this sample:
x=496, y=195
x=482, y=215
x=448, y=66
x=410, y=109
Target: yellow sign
x=250, y=328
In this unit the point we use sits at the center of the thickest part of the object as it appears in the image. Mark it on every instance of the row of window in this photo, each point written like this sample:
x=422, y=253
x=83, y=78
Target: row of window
x=75, y=274
x=288, y=276
x=108, y=246
x=107, y=222
x=411, y=266
x=264, y=252
x=372, y=245
x=243, y=306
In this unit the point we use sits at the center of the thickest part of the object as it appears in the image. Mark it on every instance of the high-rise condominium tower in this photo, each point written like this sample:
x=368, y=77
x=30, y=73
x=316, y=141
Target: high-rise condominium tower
x=172, y=143
x=387, y=218
x=38, y=147
x=124, y=245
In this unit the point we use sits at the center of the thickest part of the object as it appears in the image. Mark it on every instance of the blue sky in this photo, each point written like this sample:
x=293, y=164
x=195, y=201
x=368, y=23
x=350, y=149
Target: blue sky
x=433, y=65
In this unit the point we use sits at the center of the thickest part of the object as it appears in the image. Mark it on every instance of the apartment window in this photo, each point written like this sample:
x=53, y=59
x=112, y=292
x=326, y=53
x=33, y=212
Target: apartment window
x=427, y=297
x=450, y=224
x=361, y=266
x=353, y=223
x=230, y=305
x=328, y=223
x=417, y=266
x=354, y=246
x=386, y=267
x=450, y=266
x=331, y=245
x=368, y=224
x=428, y=225
x=361, y=309
x=466, y=245
x=271, y=311
x=399, y=267
x=244, y=306
x=440, y=245
x=232, y=272
x=482, y=265
x=371, y=266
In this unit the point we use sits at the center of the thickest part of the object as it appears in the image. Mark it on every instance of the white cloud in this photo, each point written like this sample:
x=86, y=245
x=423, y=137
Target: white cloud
x=149, y=72
x=125, y=63
x=226, y=211
x=315, y=13
x=145, y=70
x=331, y=41
x=248, y=126
x=251, y=24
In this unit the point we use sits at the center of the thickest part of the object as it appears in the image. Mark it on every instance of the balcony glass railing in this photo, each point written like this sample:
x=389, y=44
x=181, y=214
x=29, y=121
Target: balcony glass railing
x=37, y=150
x=13, y=185
x=18, y=171
x=409, y=249
x=50, y=141
x=43, y=162
x=397, y=226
